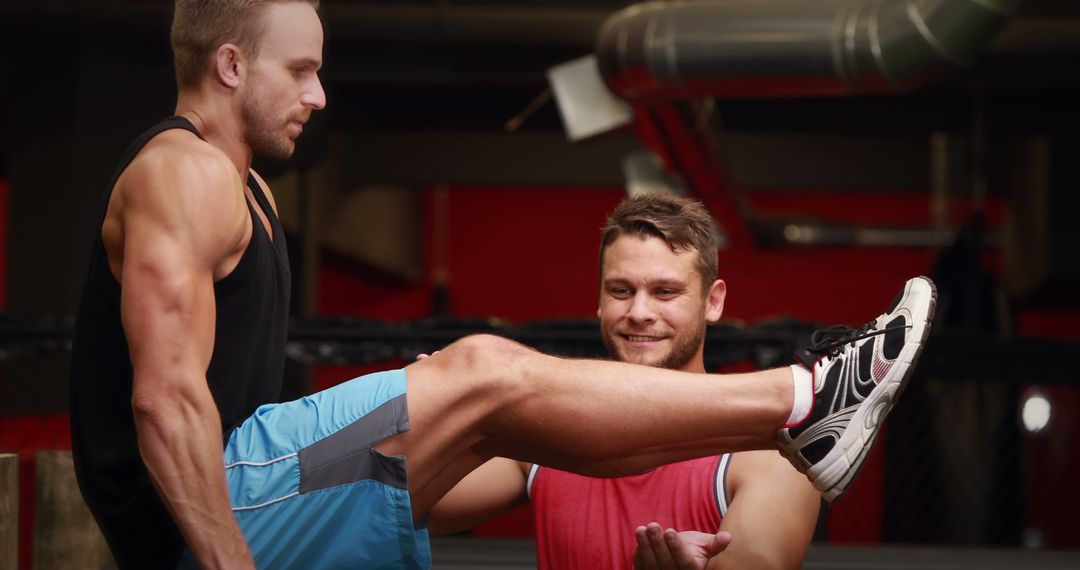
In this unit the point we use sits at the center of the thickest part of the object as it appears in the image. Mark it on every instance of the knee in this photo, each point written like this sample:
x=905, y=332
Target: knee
x=486, y=360
x=481, y=352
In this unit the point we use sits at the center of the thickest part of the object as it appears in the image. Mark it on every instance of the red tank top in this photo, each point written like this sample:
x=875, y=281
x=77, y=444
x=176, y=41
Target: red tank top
x=585, y=523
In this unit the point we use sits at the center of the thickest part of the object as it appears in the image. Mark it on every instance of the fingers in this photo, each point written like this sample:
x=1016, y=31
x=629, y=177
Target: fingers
x=643, y=555
x=659, y=549
x=423, y=356
x=681, y=555
x=661, y=546
x=652, y=551
x=719, y=543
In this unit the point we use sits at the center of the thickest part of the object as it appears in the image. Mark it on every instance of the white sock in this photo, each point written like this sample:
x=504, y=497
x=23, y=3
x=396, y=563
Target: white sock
x=803, y=383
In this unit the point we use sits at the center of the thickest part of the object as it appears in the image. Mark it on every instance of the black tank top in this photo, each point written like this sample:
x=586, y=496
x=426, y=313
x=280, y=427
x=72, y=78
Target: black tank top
x=245, y=372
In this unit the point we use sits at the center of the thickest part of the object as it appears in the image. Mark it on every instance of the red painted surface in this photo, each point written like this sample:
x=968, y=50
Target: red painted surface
x=1056, y=324
x=517, y=254
x=859, y=516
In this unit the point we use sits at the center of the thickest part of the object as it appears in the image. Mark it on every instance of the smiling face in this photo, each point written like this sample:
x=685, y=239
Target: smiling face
x=283, y=85
x=654, y=305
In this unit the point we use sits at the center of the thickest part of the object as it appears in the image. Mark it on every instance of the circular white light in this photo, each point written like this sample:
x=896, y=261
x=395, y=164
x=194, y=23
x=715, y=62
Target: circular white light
x=792, y=232
x=1036, y=413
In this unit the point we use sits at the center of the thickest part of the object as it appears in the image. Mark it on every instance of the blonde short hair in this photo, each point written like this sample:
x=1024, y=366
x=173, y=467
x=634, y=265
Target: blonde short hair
x=199, y=27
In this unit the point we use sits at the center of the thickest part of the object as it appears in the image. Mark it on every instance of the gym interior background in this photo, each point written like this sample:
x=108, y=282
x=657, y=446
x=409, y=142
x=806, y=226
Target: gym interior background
x=438, y=195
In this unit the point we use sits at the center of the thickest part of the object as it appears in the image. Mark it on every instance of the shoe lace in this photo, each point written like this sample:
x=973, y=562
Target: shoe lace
x=829, y=341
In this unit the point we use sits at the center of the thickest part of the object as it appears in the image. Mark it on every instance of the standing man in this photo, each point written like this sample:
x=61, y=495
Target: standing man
x=180, y=340
x=658, y=290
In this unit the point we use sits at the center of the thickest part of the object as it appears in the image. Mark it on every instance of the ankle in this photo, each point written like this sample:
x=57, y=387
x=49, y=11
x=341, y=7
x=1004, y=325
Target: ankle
x=802, y=383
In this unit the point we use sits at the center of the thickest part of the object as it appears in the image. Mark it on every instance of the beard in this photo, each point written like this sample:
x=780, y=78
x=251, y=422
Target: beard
x=263, y=133
x=683, y=350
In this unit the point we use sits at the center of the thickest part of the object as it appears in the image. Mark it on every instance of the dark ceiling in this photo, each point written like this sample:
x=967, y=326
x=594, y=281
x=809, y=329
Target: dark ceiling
x=450, y=64
x=477, y=63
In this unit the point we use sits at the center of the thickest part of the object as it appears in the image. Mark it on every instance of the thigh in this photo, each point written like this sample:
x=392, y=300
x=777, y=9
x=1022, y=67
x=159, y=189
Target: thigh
x=445, y=441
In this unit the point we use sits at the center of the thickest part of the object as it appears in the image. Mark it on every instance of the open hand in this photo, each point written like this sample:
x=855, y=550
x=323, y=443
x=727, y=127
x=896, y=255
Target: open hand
x=670, y=550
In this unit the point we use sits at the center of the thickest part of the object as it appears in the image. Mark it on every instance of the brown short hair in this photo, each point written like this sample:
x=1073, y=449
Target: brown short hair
x=683, y=223
x=199, y=27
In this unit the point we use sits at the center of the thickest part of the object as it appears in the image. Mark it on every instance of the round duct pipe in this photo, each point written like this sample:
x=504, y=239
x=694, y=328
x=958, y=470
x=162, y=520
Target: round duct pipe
x=659, y=51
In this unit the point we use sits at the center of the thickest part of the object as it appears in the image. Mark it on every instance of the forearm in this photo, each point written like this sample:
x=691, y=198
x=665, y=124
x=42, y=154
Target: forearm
x=444, y=521
x=757, y=546
x=181, y=446
x=489, y=491
x=735, y=559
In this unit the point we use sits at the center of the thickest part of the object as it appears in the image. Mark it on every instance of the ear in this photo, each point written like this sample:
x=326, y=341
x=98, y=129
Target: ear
x=229, y=65
x=714, y=301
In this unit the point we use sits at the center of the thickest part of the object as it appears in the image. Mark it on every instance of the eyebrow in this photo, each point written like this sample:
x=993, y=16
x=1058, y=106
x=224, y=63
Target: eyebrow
x=669, y=283
x=663, y=282
x=307, y=62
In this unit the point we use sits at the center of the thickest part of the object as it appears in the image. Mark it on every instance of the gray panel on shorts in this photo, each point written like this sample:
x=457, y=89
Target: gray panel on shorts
x=347, y=455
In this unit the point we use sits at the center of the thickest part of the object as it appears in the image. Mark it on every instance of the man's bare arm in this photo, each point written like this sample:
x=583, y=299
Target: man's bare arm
x=772, y=516
x=490, y=490
x=182, y=218
x=666, y=548
x=769, y=524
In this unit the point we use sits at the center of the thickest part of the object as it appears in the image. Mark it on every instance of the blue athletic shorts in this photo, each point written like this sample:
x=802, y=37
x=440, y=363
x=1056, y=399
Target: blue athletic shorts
x=308, y=489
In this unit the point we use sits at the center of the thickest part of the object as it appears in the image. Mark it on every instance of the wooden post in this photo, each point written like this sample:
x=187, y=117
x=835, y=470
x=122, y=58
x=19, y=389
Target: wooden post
x=9, y=511
x=65, y=533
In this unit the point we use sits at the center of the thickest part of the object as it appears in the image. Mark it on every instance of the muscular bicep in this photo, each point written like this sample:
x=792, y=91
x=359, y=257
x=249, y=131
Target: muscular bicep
x=167, y=303
x=176, y=234
x=772, y=515
x=490, y=490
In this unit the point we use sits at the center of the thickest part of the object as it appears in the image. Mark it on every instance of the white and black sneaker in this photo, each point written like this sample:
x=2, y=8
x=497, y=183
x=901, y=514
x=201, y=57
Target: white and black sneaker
x=857, y=376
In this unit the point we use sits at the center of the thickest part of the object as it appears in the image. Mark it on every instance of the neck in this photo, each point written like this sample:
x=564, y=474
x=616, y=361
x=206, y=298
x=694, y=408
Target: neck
x=695, y=364
x=218, y=121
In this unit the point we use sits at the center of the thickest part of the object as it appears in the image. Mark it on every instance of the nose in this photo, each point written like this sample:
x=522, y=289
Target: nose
x=313, y=95
x=641, y=309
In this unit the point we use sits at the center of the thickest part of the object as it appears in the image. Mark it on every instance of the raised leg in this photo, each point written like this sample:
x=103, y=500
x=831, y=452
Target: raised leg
x=485, y=396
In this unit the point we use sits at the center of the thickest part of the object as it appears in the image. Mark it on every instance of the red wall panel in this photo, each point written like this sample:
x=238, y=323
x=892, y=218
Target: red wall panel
x=517, y=254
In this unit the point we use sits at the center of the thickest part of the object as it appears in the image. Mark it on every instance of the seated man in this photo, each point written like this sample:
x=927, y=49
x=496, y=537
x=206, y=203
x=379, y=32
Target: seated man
x=658, y=290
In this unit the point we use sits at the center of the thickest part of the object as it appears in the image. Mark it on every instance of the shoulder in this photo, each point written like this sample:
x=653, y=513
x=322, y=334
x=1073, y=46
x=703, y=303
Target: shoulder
x=185, y=187
x=179, y=162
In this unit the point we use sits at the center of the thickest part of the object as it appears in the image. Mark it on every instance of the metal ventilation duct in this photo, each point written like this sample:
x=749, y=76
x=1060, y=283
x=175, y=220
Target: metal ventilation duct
x=786, y=48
